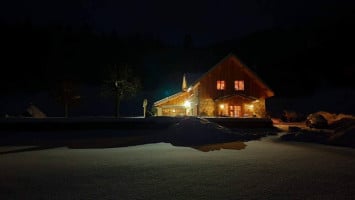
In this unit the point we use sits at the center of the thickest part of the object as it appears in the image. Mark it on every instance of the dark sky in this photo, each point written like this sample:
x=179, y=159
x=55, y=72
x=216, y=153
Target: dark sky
x=207, y=21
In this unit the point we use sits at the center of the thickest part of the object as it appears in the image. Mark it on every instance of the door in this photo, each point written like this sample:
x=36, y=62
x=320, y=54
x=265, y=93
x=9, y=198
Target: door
x=235, y=111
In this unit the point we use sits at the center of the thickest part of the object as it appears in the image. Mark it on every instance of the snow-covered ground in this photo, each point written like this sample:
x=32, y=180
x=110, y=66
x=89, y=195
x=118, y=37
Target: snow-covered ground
x=192, y=158
x=261, y=169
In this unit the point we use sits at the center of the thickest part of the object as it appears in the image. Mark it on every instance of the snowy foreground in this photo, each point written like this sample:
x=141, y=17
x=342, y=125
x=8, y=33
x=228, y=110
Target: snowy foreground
x=265, y=169
x=194, y=159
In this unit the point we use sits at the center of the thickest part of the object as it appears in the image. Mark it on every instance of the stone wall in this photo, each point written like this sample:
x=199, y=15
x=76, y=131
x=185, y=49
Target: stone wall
x=206, y=107
x=259, y=108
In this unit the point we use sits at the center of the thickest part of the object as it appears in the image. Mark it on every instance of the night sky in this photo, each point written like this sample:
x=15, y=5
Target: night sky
x=207, y=21
x=292, y=45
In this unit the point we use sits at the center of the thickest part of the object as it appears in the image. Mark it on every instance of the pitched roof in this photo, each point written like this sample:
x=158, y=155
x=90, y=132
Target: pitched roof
x=168, y=98
x=247, y=70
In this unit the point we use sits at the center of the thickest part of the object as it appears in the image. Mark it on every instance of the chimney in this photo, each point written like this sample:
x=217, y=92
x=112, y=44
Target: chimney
x=184, y=84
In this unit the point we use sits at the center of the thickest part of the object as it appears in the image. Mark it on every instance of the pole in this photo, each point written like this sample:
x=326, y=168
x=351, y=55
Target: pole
x=145, y=103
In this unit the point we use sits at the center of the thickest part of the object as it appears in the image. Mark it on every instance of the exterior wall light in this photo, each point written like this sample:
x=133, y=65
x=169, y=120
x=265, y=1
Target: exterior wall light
x=187, y=104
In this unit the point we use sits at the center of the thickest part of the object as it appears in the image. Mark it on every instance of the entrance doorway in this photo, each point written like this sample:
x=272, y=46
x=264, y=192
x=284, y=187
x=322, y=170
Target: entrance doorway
x=235, y=111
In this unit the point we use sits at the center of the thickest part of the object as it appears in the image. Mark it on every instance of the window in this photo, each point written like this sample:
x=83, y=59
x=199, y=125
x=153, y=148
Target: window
x=221, y=85
x=239, y=85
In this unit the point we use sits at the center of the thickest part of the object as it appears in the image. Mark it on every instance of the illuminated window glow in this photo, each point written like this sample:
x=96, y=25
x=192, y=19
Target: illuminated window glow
x=239, y=85
x=221, y=85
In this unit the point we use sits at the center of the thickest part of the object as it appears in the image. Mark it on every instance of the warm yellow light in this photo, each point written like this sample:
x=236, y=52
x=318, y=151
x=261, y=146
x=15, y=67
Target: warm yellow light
x=173, y=110
x=187, y=104
x=251, y=106
x=221, y=106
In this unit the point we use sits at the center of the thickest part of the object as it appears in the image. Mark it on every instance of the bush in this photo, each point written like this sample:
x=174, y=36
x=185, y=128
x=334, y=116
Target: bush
x=316, y=120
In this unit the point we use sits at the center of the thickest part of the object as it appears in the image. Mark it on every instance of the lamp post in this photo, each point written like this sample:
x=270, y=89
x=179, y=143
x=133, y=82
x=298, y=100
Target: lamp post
x=145, y=103
x=117, y=98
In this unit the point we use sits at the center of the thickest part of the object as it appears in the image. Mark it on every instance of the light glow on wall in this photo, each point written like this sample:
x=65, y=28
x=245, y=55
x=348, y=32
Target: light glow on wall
x=187, y=104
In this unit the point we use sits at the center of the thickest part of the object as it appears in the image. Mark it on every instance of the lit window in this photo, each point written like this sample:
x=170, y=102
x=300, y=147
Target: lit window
x=239, y=85
x=221, y=85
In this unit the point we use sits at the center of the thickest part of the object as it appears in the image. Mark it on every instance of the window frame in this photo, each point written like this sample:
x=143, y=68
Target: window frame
x=220, y=84
x=239, y=85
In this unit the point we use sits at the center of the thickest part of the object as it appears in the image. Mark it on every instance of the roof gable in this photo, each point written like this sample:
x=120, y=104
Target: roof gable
x=247, y=70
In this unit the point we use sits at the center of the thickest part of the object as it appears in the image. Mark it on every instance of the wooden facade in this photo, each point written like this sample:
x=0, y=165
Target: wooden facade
x=228, y=89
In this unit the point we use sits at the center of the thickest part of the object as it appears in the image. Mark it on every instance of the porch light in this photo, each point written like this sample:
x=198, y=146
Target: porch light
x=221, y=106
x=187, y=104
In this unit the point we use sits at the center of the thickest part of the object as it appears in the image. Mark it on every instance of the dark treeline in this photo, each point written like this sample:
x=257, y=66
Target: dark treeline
x=292, y=60
x=34, y=57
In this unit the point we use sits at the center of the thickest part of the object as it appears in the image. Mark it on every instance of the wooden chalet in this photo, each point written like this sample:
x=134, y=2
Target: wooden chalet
x=229, y=89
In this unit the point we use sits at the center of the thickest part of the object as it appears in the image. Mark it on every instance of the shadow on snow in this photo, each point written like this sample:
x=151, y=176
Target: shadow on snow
x=197, y=133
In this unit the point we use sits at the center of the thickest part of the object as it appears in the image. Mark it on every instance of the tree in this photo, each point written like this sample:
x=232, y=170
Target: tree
x=67, y=94
x=120, y=83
